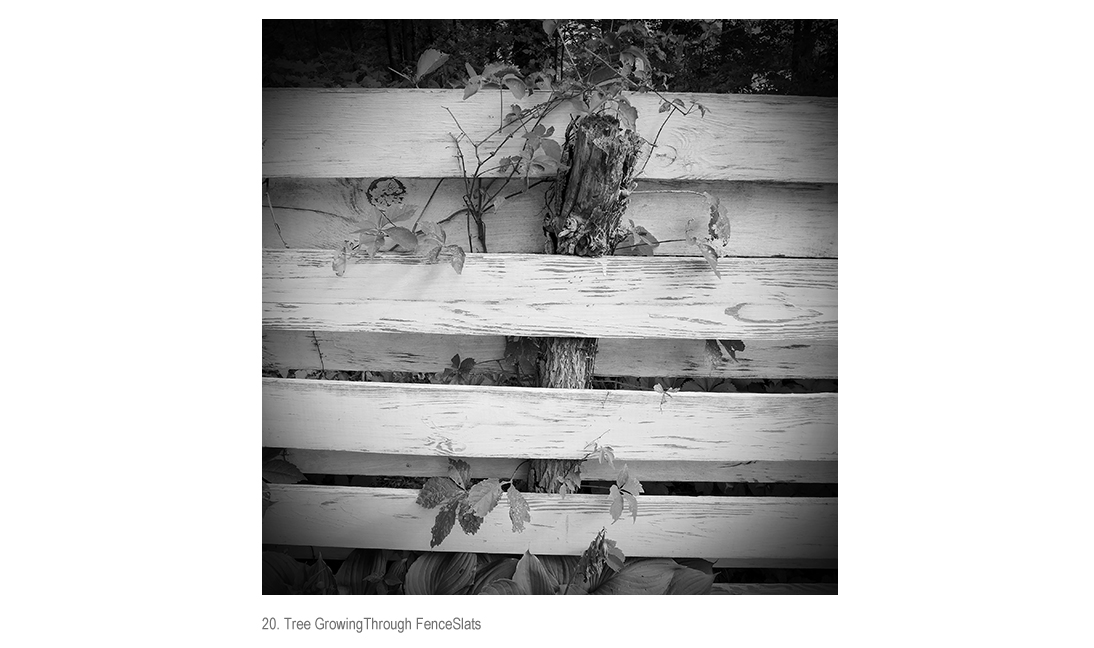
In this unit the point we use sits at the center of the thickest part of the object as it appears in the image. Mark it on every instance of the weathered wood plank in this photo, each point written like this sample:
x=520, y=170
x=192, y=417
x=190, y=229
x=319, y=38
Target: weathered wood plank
x=502, y=422
x=776, y=588
x=336, y=133
x=768, y=219
x=335, y=462
x=352, y=351
x=548, y=295
x=762, y=530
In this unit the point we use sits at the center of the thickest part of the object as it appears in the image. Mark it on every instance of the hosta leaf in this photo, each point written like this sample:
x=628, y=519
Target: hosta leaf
x=533, y=577
x=429, y=61
x=640, y=577
x=469, y=522
x=499, y=569
x=404, y=237
x=518, y=508
x=690, y=581
x=441, y=573
x=279, y=471
x=458, y=469
x=281, y=574
x=446, y=519
x=458, y=257
x=503, y=586
x=484, y=496
x=320, y=579
x=437, y=490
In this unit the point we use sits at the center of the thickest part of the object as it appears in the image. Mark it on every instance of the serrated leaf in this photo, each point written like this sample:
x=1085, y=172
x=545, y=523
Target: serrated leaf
x=279, y=471
x=686, y=580
x=458, y=257
x=518, y=508
x=616, y=498
x=437, y=490
x=458, y=469
x=484, y=496
x=651, y=576
x=533, y=577
x=404, y=237
x=432, y=230
x=632, y=505
x=551, y=149
x=429, y=61
x=446, y=519
x=712, y=258
x=466, y=365
x=469, y=521
x=441, y=573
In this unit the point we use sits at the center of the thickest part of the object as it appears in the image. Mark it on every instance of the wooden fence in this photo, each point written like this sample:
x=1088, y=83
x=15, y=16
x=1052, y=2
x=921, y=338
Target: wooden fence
x=772, y=163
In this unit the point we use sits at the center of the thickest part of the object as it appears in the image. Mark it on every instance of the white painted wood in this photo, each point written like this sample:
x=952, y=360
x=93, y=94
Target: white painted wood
x=762, y=530
x=335, y=462
x=503, y=422
x=336, y=133
x=553, y=295
x=354, y=351
x=767, y=219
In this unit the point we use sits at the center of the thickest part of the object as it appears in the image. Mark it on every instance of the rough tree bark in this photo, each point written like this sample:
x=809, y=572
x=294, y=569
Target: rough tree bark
x=585, y=207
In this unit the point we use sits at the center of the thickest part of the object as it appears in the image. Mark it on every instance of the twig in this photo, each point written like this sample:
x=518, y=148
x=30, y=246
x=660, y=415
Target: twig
x=274, y=219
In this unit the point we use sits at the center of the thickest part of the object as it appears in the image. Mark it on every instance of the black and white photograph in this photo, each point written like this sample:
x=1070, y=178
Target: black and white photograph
x=549, y=307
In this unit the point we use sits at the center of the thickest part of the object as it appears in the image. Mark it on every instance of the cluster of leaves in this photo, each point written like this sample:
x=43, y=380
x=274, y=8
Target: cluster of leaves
x=373, y=571
x=459, y=499
x=276, y=470
x=426, y=238
x=283, y=575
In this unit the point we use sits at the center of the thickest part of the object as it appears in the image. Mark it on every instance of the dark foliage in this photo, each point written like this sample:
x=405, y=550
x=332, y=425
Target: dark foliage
x=793, y=57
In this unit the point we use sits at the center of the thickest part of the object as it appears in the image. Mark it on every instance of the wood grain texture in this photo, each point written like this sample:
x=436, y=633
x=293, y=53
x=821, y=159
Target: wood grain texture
x=503, y=422
x=549, y=295
x=335, y=462
x=767, y=219
x=352, y=351
x=769, y=589
x=336, y=133
x=762, y=530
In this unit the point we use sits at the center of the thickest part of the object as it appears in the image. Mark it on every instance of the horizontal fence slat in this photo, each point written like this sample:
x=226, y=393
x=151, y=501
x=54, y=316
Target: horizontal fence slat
x=335, y=133
x=502, y=422
x=344, y=351
x=554, y=295
x=763, y=530
x=767, y=219
x=337, y=462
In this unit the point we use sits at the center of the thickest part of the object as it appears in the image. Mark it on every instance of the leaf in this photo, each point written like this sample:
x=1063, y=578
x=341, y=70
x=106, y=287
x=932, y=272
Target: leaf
x=266, y=501
x=432, y=230
x=632, y=505
x=458, y=257
x=549, y=27
x=466, y=366
x=690, y=581
x=434, y=255
x=652, y=576
x=551, y=149
x=631, y=485
x=711, y=256
x=400, y=212
x=518, y=508
x=579, y=106
x=441, y=573
x=732, y=346
x=616, y=498
x=446, y=519
x=470, y=70
x=665, y=106
x=429, y=61
x=602, y=75
x=516, y=86
x=469, y=522
x=271, y=453
x=437, y=490
x=484, y=496
x=630, y=116
x=499, y=569
x=320, y=579
x=502, y=586
x=533, y=577
x=679, y=102
x=279, y=471
x=458, y=469
x=702, y=109
x=614, y=557
x=281, y=574
x=719, y=222
x=404, y=237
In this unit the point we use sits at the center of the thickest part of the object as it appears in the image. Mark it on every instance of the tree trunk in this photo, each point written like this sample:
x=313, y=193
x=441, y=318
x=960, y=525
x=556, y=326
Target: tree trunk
x=584, y=209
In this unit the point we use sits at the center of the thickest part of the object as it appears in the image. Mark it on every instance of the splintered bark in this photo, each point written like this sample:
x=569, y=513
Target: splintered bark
x=584, y=210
